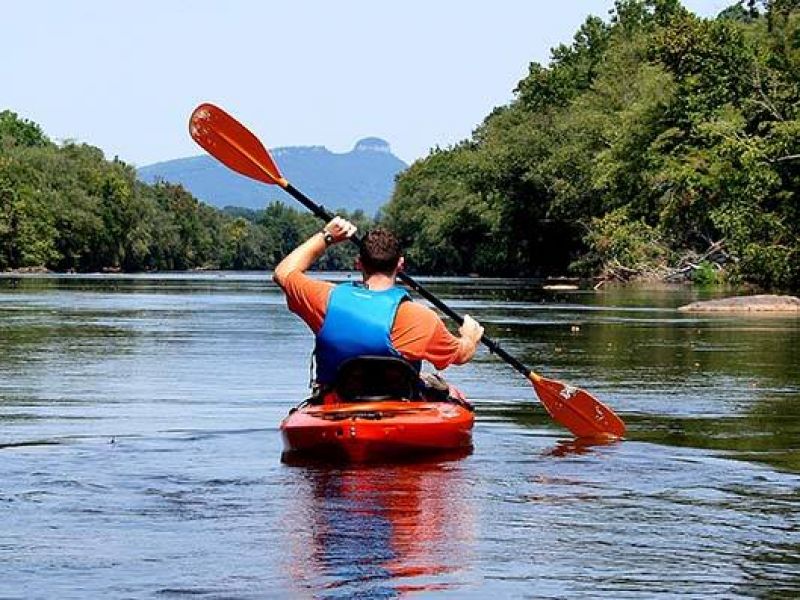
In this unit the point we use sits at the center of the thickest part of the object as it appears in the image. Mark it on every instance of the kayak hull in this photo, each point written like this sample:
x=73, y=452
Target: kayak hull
x=376, y=431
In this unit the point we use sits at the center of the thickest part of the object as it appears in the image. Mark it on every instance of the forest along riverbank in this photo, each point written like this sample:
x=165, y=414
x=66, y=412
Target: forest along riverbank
x=656, y=144
x=140, y=454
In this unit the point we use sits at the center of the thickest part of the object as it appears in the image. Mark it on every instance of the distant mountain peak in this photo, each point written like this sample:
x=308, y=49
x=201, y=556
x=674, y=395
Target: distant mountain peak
x=372, y=144
x=360, y=179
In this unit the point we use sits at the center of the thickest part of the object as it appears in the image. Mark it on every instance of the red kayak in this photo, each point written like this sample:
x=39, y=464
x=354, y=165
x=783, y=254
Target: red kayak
x=354, y=423
x=369, y=431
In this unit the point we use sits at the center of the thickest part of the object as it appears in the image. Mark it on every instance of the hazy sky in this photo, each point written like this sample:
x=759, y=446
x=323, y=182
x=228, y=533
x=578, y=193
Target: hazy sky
x=125, y=76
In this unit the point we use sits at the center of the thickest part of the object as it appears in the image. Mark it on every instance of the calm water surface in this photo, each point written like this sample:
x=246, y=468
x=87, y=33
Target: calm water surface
x=139, y=452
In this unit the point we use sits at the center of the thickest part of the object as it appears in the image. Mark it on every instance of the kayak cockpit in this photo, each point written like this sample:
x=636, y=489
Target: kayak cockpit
x=376, y=378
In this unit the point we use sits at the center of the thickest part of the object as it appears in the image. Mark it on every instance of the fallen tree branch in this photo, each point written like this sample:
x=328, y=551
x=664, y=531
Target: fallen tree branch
x=715, y=254
x=786, y=158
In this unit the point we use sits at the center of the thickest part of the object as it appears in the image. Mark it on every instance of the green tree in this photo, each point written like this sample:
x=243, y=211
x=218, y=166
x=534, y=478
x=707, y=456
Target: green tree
x=15, y=131
x=646, y=140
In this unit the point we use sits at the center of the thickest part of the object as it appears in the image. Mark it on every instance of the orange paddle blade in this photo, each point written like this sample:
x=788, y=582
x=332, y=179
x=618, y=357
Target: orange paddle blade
x=577, y=410
x=230, y=142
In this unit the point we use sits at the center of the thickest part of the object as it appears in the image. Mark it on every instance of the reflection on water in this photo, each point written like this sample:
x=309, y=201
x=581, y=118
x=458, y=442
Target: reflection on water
x=380, y=531
x=578, y=446
x=140, y=454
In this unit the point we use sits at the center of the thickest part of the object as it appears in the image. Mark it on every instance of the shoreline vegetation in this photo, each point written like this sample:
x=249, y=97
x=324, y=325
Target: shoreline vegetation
x=657, y=146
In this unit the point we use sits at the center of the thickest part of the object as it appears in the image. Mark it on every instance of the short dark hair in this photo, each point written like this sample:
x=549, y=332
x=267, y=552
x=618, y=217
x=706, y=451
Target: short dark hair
x=380, y=251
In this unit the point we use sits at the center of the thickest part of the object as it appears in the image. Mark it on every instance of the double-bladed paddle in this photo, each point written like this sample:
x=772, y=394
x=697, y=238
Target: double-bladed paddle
x=236, y=147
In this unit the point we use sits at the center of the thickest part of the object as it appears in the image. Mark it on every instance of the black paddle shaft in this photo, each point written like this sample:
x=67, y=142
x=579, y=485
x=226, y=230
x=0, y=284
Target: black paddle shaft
x=493, y=346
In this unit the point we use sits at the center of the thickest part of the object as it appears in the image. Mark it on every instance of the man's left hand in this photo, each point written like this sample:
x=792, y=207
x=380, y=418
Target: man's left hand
x=340, y=229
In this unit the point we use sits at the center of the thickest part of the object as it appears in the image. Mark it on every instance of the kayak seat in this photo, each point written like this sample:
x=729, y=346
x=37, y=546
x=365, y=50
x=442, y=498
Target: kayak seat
x=371, y=378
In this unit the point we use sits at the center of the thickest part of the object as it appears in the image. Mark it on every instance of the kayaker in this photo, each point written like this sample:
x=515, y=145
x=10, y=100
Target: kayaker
x=371, y=317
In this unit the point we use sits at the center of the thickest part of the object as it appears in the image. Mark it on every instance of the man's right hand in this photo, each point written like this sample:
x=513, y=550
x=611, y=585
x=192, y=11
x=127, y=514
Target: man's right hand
x=471, y=329
x=471, y=332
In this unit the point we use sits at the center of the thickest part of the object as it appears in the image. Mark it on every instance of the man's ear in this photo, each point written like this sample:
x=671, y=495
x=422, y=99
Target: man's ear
x=401, y=264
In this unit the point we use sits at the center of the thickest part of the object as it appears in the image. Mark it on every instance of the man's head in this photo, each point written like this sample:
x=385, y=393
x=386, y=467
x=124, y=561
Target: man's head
x=380, y=253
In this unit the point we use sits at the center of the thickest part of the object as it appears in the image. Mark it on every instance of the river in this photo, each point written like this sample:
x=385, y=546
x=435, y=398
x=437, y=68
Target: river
x=140, y=453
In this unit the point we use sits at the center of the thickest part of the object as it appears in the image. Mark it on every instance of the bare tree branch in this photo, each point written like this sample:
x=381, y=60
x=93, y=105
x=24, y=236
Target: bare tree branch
x=786, y=158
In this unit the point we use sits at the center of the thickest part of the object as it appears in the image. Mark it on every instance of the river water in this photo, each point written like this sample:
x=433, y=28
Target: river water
x=140, y=453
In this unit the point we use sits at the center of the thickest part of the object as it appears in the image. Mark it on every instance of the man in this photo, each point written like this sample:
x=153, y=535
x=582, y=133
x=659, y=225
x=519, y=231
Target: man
x=372, y=317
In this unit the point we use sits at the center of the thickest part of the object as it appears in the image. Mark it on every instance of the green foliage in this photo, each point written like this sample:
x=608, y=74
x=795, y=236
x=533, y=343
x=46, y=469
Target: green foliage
x=644, y=141
x=705, y=274
x=572, y=69
x=66, y=208
x=617, y=238
x=737, y=12
x=20, y=132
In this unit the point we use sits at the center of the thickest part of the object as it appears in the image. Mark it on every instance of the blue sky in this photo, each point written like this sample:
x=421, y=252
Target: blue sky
x=419, y=73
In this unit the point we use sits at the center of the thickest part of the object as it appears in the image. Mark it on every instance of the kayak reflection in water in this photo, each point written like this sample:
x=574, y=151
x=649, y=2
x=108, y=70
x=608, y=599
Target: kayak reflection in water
x=373, y=317
x=380, y=531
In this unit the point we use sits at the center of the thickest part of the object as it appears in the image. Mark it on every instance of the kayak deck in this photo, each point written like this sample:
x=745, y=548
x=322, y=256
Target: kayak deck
x=377, y=430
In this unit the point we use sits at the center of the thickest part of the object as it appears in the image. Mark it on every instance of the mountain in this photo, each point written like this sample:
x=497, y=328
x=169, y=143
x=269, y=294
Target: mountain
x=362, y=178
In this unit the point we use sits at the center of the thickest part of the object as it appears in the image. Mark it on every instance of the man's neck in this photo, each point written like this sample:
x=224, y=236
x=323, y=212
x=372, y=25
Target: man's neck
x=379, y=281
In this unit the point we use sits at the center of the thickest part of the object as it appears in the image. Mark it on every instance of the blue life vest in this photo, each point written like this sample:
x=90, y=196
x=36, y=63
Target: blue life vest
x=358, y=322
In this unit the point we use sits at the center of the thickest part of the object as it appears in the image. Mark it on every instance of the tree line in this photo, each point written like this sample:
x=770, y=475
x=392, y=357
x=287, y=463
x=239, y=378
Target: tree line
x=657, y=144
x=66, y=208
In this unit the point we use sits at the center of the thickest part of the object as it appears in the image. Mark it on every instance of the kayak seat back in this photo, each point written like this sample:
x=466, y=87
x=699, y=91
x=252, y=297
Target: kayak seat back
x=371, y=378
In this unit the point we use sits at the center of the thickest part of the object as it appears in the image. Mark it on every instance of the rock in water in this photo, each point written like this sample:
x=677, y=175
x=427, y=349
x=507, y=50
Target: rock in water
x=742, y=304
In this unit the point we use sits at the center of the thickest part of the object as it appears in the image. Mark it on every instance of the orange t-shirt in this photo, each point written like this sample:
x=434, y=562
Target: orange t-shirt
x=417, y=333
